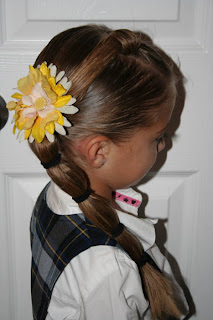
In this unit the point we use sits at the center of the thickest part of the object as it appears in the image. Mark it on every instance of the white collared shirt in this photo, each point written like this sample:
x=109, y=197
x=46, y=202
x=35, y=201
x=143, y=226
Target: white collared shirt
x=103, y=282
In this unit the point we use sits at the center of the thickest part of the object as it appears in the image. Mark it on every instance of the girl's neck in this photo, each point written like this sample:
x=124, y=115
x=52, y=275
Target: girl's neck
x=105, y=192
x=102, y=190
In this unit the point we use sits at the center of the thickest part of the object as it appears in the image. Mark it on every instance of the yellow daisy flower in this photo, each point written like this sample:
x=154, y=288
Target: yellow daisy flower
x=39, y=106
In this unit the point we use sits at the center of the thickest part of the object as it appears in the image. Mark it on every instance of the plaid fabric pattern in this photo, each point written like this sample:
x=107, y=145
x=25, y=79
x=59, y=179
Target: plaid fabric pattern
x=55, y=241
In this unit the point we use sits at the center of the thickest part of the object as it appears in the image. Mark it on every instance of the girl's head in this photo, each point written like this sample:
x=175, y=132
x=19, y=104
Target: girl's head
x=125, y=88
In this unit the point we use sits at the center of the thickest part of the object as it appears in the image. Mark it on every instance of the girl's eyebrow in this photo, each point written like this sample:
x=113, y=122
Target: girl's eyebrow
x=162, y=130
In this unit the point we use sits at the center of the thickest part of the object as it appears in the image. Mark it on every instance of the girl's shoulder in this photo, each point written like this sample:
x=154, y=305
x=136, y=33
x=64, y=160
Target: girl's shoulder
x=128, y=201
x=98, y=281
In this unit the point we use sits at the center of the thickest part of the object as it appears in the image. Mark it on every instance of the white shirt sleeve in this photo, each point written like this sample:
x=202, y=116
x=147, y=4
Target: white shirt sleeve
x=101, y=283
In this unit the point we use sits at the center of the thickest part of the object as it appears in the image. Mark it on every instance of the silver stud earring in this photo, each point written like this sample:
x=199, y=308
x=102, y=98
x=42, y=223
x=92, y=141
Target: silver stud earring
x=102, y=163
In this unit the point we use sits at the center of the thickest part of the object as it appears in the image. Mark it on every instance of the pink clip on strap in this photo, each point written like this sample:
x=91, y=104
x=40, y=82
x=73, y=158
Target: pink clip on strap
x=131, y=201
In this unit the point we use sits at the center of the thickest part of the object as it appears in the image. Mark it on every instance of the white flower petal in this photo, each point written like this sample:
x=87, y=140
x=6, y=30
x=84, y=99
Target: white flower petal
x=36, y=92
x=60, y=76
x=50, y=65
x=29, y=112
x=13, y=120
x=53, y=71
x=60, y=129
x=63, y=81
x=18, y=134
x=31, y=139
x=72, y=100
x=66, y=122
x=49, y=136
x=68, y=109
x=27, y=100
x=67, y=86
x=21, y=135
x=45, y=62
x=73, y=109
x=38, y=66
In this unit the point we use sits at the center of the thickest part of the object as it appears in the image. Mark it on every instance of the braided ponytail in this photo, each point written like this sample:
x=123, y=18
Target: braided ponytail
x=73, y=180
x=121, y=71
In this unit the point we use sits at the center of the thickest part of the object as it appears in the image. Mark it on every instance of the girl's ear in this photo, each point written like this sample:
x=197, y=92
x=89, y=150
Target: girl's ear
x=96, y=150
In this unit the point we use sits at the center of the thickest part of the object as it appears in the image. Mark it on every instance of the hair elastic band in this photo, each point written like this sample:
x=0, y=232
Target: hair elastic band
x=118, y=230
x=82, y=197
x=53, y=162
x=146, y=258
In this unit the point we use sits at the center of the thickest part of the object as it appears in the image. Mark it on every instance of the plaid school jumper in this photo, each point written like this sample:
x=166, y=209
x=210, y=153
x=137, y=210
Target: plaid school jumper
x=55, y=241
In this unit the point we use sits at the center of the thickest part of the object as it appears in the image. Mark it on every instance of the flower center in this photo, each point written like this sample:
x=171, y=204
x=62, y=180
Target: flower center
x=40, y=103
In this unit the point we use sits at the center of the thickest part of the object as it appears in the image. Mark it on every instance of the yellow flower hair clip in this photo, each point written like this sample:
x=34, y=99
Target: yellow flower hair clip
x=41, y=103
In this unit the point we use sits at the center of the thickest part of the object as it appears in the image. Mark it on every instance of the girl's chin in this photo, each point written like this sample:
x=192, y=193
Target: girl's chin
x=131, y=184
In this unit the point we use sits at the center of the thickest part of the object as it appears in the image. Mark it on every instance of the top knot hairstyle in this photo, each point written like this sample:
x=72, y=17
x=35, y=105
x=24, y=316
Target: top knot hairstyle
x=122, y=82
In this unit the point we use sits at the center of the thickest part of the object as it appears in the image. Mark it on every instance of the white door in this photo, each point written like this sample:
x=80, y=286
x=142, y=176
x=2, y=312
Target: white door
x=180, y=195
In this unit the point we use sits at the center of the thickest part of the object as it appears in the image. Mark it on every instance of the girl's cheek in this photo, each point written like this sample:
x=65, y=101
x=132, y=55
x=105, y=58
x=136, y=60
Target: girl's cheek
x=154, y=156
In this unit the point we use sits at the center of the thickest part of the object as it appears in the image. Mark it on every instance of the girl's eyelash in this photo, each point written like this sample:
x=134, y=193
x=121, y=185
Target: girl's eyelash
x=162, y=138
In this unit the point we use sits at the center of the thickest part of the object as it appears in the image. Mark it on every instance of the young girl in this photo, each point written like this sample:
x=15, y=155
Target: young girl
x=94, y=108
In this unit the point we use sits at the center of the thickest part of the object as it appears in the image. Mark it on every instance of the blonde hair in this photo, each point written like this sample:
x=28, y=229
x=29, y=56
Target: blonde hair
x=122, y=82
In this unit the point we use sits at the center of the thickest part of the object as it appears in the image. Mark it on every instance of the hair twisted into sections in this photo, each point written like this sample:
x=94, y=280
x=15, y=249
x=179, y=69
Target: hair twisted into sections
x=122, y=82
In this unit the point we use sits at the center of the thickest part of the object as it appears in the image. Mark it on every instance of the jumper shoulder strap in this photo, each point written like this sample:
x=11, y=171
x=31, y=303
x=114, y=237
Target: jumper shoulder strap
x=55, y=241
